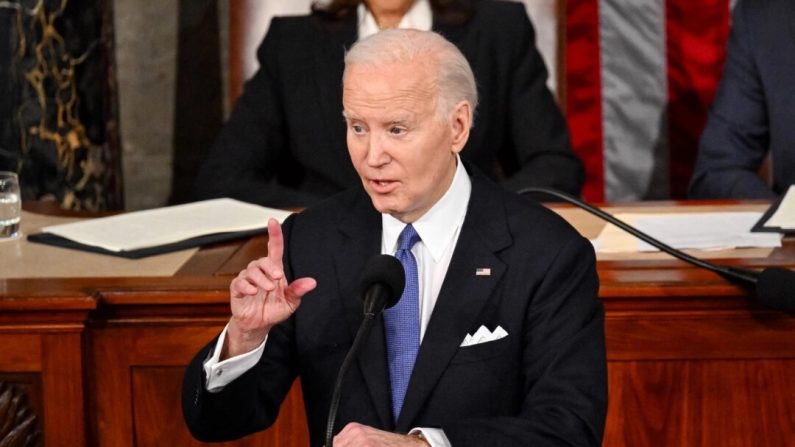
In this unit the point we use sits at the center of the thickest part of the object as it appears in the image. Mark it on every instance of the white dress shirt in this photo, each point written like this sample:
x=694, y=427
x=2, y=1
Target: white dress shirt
x=418, y=17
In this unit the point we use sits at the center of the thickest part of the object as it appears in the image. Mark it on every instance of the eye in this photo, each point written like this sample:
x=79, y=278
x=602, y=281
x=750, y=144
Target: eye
x=397, y=130
x=356, y=128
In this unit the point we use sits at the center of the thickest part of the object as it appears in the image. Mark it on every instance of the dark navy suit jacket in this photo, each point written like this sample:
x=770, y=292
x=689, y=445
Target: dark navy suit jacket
x=284, y=144
x=543, y=384
x=754, y=109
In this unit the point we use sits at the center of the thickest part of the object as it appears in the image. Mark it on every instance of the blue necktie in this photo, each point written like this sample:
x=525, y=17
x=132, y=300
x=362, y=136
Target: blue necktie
x=402, y=323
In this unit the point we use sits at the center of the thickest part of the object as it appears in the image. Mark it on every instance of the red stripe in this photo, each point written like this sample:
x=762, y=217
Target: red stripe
x=695, y=49
x=584, y=92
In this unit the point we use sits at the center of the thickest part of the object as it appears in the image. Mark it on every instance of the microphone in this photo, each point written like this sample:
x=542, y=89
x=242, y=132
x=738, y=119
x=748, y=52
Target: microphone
x=382, y=283
x=774, y=286
x=383, y=280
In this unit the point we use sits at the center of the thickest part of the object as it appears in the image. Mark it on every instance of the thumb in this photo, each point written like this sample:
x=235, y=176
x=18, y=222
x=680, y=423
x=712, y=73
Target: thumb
x=300, y=287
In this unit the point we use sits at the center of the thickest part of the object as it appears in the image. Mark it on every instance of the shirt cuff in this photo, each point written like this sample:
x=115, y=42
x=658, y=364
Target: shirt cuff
x=433, y=436
x=219, y=374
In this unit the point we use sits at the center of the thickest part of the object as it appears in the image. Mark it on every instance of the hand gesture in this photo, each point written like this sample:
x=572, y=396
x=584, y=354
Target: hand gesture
x=359, y=435
x=261, y=298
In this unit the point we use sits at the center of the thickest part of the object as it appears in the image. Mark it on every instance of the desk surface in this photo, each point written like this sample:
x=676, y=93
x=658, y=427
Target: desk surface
x=687, y=350
x=58, y=271
x=20, y=258
x=203, y=276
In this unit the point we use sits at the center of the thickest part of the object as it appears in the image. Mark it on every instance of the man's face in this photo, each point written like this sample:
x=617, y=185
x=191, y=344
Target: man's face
x=402, y=150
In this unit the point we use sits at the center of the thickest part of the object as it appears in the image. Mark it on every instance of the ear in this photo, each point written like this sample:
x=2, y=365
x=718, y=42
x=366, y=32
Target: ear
x=460, y=122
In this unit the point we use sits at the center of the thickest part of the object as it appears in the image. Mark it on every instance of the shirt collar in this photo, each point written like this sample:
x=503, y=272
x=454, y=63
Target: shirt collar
x=438, y=225
x=418, y=17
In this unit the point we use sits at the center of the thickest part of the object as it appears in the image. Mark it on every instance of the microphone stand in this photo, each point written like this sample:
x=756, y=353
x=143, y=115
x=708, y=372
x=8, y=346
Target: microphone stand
x=745, y=277
x=361, y=335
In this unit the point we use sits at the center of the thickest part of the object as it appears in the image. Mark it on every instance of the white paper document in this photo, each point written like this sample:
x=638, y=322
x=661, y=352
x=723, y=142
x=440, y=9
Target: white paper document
x=701, y=231
x=151, y=228
x=784, y=216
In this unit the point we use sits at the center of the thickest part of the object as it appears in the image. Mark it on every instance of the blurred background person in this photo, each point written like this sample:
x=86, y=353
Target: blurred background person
x=754, y=111
x=284, y=143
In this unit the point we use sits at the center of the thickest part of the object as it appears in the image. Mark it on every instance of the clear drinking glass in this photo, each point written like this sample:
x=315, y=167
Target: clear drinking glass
x=10, y=205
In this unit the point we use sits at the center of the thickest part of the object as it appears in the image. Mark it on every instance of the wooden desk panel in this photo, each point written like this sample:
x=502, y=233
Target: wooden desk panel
x=136, y=375
x=46, y=365
x=701, y=403
x=692, y=359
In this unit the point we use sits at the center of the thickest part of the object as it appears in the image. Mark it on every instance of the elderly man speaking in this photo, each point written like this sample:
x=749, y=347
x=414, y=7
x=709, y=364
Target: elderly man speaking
x=498, y=337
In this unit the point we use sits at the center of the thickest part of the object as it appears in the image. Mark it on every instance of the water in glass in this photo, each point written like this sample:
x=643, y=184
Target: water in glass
x=10, y=205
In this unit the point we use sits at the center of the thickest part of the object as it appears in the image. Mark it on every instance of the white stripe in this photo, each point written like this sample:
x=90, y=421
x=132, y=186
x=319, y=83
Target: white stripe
x=544, y=16
x=634, y=96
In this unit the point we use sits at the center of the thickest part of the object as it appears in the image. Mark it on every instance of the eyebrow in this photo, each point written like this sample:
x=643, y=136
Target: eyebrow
x=403, y=120
x=347, y=117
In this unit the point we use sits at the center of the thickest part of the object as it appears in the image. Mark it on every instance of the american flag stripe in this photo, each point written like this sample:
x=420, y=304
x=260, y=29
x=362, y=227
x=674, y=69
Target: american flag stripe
x=640, y=77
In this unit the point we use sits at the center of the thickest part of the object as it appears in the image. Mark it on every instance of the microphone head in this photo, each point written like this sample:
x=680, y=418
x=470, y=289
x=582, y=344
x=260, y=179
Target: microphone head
x=776, y=288
x=386, y=271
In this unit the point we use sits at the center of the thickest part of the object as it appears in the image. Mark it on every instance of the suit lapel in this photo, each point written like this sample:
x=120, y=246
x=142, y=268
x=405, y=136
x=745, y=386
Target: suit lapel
x=462, y=296
x=360, y=232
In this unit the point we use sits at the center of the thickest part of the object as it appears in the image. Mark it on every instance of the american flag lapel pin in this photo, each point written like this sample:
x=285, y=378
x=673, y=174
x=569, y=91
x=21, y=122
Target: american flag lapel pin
x=482, y=271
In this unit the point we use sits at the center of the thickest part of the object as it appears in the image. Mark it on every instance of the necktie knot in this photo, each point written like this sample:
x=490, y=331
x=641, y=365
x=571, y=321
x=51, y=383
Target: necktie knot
x=408, y=237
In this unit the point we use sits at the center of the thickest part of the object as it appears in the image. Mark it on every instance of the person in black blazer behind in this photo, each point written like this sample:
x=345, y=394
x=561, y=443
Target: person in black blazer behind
x=753, y=114
x=491, y=264
x=284, y=143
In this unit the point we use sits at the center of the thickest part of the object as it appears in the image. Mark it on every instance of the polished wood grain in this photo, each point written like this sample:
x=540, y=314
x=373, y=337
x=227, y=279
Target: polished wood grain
x=701, y=403
x=692, y=358
x=136, y=374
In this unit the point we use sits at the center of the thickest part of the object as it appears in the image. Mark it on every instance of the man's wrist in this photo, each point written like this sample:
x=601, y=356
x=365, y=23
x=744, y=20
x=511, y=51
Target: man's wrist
x=240, y=342
x=417, y=435
x=433, y=437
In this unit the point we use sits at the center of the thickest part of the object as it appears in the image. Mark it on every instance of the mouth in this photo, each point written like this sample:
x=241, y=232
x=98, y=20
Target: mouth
x=382, y=186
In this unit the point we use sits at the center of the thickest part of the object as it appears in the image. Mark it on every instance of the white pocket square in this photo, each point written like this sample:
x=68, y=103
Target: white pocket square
x=483, y=335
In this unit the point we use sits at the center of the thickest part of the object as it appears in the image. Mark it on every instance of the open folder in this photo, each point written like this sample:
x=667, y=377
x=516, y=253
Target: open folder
x=144, y=233
x=780, y=217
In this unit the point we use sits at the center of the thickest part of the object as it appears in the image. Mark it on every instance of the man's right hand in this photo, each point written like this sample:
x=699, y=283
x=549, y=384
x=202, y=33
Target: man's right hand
x=261, y=297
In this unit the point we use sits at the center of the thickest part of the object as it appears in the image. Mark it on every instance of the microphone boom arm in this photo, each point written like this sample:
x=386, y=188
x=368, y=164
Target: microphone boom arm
x=745, y=277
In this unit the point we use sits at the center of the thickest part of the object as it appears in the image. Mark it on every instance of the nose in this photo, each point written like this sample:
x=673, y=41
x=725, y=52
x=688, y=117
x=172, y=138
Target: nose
x=377, y=151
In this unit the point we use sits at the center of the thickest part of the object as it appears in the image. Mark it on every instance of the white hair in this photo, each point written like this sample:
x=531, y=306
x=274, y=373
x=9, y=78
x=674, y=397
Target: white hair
x=454, y=78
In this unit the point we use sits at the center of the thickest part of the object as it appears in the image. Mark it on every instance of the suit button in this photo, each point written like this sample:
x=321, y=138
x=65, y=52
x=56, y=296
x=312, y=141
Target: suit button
x=196, y=397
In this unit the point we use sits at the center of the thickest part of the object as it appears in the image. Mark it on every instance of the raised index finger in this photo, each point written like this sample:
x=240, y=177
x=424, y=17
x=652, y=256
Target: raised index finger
x=275, y=242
